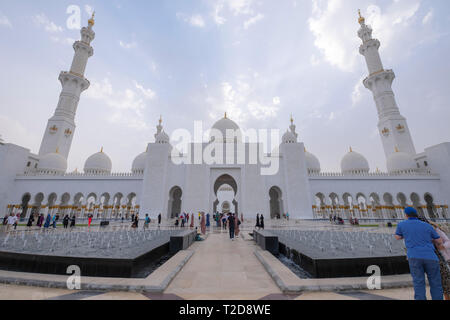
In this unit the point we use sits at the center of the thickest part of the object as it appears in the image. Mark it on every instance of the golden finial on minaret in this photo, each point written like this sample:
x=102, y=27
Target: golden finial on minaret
x=351, y=149
x=160, y=120
x=226, y=116
x=101, y=151
x=91, y=21
x=361, y=19
x=396, y=150
x=292, y=119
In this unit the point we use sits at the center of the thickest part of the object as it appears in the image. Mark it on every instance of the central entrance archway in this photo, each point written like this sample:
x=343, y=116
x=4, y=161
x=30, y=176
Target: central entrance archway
x=226, y=184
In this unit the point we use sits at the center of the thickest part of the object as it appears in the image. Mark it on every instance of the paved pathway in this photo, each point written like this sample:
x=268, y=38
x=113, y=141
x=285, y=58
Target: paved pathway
x=223, y=269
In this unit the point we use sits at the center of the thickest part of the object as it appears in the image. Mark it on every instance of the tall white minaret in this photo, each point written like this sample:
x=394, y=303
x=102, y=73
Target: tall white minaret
x=392, y=126
x=61, y=127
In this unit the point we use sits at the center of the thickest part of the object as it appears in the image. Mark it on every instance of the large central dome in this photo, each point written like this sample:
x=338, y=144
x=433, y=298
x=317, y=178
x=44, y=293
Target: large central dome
x=223, y=127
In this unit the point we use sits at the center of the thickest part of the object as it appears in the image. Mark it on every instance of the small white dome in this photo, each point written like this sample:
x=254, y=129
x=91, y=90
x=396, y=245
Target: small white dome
x=312, y=163
x=98, y=163
x=52, y=163
x=289, y=137
x=220, y=128
x=354, y=163
x=139, y=163
x=400, y=162
x=162, y=137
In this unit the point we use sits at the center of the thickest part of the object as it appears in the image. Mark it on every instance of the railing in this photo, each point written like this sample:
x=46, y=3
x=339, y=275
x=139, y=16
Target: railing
x=79, y=174
x=374, y=174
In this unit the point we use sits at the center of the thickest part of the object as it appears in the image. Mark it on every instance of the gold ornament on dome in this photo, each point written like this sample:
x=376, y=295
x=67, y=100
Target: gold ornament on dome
x=385, y=132
x=400, y=128
x=361, y=19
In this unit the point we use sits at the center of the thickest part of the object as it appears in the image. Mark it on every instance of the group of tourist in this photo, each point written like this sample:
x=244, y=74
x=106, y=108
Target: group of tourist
x=428, y=251
x=10, y=222
x=259, y=221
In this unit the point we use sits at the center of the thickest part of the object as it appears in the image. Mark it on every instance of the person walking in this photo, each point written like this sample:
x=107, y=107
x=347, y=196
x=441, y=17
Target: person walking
x=420, y=239
x=261, y=222
x=40, y=220
x=237, y=223
x=12, y=220
x=224, y=222
x=231, y=226
x=258, y=225
x=444, y=259
x=89, y=221
x=30, y=221
x=203, y=223
x=72, y=222
x=48, y=220
x=147, y=222
x=159, y=220
x=182, y=218
x=54, y=221
x=192, y=221
x=66, y=221
x=208, y=222
x=16, y=223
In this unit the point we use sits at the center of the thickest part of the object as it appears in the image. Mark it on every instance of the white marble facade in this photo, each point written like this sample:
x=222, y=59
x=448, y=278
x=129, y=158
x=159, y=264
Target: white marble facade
x=157, y=183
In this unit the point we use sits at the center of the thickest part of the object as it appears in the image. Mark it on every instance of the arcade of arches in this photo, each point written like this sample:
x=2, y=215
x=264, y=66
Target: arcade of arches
x=80, y=205
x=375, y=207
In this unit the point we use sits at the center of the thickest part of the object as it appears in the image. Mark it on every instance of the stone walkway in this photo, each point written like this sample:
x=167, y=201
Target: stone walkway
x=223, y=269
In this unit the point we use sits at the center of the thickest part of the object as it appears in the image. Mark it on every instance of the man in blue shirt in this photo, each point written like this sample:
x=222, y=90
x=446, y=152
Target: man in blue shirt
x=420, y=238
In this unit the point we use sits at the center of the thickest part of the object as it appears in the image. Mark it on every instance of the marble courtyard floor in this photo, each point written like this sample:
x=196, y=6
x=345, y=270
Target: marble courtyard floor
x=220, y=269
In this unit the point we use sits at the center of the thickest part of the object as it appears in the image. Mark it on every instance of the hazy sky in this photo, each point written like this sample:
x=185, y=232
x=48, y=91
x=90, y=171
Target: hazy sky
x=193, y=60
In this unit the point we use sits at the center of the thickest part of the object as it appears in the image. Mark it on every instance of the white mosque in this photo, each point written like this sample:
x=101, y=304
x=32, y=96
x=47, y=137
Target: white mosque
x=157, y=183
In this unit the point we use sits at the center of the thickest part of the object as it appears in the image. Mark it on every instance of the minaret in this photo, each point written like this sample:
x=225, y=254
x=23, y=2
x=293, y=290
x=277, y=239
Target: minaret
x=392, y=125
x=293, y=127
x=61, y=127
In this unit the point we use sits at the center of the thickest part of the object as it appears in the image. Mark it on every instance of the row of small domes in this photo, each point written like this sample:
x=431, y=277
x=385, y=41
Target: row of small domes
x=356, y=163
x=352, y=163
x=98, y=163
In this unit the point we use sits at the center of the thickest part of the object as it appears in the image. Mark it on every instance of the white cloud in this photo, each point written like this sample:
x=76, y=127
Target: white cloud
x=148, y=93
x=4, y=21
x=65, y=41
x=15, y=132
x=253, y=20
x=216, y=13
x=428, y=17
x=276, y=101
x=127, y=105
x=241, y=101
x=41, y=20
x=128, y=45
x=195, y=20
x=235, y=8
x=239, y=7
x=357, y=93
x=334, y=25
